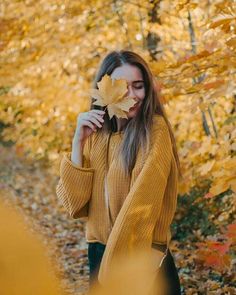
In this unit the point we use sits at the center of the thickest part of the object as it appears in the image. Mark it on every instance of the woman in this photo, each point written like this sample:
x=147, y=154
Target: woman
x=122, y=174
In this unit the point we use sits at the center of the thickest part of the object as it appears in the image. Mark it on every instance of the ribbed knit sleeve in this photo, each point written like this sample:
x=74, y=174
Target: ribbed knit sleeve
x=75, y=184
x=134, y=225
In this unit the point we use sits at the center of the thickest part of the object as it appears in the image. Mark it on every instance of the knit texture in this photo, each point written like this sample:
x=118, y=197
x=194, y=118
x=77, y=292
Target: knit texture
x=142, y=206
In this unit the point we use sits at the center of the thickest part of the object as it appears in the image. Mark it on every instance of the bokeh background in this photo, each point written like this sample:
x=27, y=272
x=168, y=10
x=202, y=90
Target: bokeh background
x=49, y=53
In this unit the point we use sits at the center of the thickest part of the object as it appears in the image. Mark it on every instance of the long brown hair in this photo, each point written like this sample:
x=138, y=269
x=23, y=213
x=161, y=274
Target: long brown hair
x=137, y=130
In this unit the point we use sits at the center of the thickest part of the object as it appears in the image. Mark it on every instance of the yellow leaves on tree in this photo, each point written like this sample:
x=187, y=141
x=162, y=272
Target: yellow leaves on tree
x=112, y=94
x=226, y=19
x=224, y=174
x=224, y=183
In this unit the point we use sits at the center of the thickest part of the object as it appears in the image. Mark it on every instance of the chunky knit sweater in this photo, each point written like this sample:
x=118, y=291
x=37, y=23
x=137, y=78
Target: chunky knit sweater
x=142, y=206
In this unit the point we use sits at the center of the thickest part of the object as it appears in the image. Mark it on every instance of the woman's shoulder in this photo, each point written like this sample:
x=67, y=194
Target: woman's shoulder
x=159, y=122
x=157, y=117
x=160, y=129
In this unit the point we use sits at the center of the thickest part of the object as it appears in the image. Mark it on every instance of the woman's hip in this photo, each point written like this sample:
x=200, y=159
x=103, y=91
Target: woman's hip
x=168, y=267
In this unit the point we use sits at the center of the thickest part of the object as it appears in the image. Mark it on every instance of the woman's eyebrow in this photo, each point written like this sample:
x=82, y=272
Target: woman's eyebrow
x=137, y=81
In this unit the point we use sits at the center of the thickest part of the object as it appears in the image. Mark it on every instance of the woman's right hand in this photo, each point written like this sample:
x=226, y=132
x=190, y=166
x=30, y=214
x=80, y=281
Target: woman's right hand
x=87, y=123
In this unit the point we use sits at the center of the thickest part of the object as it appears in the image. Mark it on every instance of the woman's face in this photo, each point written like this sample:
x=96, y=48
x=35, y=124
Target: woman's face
x=134, y=78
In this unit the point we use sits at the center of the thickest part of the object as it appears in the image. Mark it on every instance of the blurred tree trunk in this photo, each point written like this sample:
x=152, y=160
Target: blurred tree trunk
x=152, y=39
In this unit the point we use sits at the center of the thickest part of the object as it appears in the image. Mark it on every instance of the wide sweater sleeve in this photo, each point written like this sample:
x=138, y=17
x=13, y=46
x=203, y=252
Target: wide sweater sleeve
x=75, y=184
x=134, y=225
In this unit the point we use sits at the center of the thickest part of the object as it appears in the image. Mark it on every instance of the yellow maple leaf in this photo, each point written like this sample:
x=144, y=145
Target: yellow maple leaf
x=112, y=93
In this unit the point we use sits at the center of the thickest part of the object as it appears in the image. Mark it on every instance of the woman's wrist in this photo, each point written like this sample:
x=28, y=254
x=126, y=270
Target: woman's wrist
x=77, y=151
x=77, y=142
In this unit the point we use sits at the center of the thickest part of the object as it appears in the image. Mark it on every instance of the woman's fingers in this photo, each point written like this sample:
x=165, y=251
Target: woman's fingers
x=95, y=121
x=99, y=115
x=89, y=124
x=95, y=118
x=97, y=111
x=92, y=119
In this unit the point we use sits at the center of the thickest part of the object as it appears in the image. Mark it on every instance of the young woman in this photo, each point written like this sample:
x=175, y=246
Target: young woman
x=122, y=174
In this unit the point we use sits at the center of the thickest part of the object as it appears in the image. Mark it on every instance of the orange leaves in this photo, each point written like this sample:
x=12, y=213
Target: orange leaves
x=111, y=93
x=231, y=232
x=214, y=84
x=216, y=254
x=186, y=4
x=202, y=54
x=218, y=261
x=221, y=248
x=225, y=20
x=231, y=42
x=205, y=86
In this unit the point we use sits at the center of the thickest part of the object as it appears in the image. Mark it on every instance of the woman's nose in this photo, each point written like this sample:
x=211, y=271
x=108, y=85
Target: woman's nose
x=130, y=92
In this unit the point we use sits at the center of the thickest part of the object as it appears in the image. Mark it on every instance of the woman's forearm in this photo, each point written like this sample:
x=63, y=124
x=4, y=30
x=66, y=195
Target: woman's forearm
x=77, y=152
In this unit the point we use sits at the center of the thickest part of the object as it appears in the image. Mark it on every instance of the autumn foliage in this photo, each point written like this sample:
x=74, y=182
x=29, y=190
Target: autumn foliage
x=49, y=54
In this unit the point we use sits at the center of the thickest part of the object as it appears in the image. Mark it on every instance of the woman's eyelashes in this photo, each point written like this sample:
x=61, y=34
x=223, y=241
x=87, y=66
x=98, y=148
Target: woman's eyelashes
x=138, y=86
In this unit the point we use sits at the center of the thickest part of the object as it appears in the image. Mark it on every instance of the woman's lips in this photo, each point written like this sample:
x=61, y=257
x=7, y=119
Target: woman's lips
x=133, y=107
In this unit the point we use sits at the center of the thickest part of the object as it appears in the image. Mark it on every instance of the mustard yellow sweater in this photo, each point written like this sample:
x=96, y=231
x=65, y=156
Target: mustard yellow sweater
x=142, y=206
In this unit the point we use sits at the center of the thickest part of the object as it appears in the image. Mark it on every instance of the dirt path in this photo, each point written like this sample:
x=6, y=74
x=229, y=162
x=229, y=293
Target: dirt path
x=32, y=191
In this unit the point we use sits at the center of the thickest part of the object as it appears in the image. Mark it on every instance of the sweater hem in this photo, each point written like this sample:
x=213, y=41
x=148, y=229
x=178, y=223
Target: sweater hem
x=94, y=241
x=68, y=159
